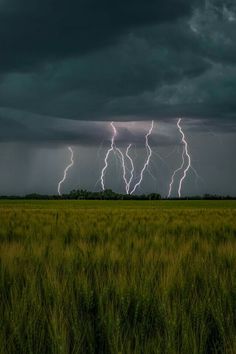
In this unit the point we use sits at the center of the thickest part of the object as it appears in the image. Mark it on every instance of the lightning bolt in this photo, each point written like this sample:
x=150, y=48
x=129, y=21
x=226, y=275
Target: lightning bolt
x=115, y=149
x=185, y=156
x=123, y=168
x=132, y=168
x=107, y=155
x=66, y=170
x=173, y=176
x=149, y=155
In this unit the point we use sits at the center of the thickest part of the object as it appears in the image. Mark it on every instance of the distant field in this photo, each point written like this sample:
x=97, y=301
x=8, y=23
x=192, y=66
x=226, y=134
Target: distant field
x=123, y=204
x=118, y=277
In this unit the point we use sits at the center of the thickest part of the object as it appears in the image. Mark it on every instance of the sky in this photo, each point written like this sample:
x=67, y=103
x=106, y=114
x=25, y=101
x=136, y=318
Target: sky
x=69, y=68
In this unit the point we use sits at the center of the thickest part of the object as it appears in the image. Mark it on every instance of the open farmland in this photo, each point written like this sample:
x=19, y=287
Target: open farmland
x=118, y=277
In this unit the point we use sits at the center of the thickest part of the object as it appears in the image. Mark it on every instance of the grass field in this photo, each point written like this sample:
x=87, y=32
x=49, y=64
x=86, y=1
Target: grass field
x=118, y=277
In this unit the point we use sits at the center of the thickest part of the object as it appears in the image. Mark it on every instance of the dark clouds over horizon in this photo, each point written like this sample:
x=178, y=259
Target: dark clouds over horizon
x=110, y=60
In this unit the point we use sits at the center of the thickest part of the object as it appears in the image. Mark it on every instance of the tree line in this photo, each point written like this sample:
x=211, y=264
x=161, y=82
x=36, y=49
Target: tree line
x=83, y=194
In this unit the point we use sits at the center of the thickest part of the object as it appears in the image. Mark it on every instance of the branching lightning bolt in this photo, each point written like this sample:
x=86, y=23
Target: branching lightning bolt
x=123, y=168
x=175, y=172
x=66, y=170
x=132, y=168
x=107, y=155
x=115, y=149
x=149, y=155
x=185, y=154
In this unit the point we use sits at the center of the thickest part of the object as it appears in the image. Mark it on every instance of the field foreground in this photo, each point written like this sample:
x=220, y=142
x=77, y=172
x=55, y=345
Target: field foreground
x=118, y=277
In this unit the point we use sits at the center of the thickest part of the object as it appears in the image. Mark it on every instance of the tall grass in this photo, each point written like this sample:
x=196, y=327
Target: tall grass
x=126, y=280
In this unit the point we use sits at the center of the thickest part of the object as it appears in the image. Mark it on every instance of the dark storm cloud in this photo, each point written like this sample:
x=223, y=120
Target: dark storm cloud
x=26, y=127
x=113, y=60
x=33, y=31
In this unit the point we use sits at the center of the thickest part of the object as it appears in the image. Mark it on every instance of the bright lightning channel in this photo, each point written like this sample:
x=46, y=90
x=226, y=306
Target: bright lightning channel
x=149, y=155
x=185, y=154
x=132, y=168
x=115, y=149
x=107, y=155
x=124, y=169
x=175, y=172
x=66, y=170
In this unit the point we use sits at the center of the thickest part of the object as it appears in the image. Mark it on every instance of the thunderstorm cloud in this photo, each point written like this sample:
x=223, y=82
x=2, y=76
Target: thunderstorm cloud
x=103, y=60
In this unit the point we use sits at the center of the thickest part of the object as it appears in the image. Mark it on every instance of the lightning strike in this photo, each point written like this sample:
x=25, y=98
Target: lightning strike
x=123, y=168
x=113, y=148
x=149, y=155
x=185, y=157
x=132, y=168
x=186, y=154
x=107, y=155
x=173, y=176
x=66, y=170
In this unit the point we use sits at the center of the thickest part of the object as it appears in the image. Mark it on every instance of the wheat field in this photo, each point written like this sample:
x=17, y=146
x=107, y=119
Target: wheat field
x=118, y=277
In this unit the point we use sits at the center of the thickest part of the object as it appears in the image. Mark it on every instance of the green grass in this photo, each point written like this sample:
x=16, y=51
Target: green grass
x=118, y=204
x=118, y=277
